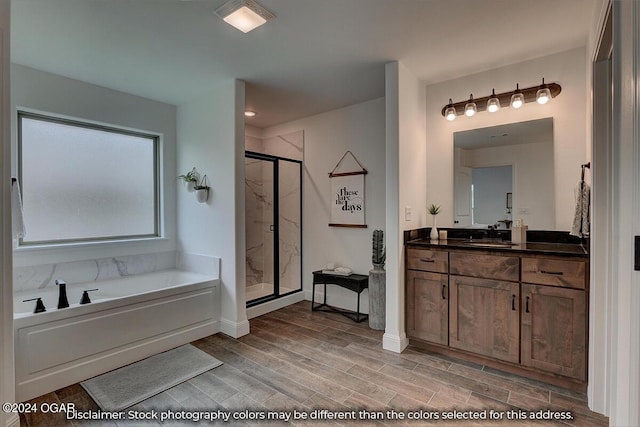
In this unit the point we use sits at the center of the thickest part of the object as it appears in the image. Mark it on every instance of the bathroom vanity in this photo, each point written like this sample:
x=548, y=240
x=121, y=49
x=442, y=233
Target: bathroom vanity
x=519, y=308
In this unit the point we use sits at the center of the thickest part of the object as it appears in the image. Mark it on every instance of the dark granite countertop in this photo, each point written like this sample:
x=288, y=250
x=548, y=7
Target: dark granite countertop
x=544, y=248
x=542, y=242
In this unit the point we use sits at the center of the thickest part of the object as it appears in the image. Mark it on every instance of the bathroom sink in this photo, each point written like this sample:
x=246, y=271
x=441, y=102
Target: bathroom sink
x=489, y=243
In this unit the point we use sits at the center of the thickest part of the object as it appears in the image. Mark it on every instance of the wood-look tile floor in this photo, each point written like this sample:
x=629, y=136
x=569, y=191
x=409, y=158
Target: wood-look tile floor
x=298, y=360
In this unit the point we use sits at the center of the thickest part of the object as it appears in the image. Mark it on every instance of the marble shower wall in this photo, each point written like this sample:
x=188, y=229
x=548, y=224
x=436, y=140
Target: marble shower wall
x=259, y=210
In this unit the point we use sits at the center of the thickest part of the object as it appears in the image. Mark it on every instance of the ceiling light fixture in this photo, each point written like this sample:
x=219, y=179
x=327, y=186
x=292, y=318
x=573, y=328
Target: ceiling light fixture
x=249, y=113
x=245, y=15
x=517, y=99
x=470, y=107
x=542, y=94
x=493, y=104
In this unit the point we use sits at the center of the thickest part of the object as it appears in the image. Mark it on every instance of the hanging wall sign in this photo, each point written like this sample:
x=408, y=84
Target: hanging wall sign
x=347, y=195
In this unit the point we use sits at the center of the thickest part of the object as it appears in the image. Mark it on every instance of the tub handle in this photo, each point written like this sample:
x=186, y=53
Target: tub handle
x=85, y=296
x=39, y=304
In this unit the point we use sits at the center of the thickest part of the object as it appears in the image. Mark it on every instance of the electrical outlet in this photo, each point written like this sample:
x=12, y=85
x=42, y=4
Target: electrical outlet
x=407, y=213
x=524, y=211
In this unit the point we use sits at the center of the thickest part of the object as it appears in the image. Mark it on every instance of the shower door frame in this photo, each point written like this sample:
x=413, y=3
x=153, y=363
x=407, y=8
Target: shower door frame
x=276, y=224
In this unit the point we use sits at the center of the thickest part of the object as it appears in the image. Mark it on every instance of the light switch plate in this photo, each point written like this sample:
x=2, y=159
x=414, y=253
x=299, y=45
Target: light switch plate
x=407, y=213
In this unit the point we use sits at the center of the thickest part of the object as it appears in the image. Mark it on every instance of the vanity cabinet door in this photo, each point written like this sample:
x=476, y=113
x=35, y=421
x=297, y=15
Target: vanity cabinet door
x=554, y=330
x=428, y=306
x=484, y=317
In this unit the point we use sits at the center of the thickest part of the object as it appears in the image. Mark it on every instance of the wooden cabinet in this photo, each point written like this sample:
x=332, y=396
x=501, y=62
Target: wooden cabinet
x=554, y=330
x=484, y=317
x=526, y=312
x=428, y=260
x=427, y=306
x=555, y=272
x=428, y=295
x=485, y=265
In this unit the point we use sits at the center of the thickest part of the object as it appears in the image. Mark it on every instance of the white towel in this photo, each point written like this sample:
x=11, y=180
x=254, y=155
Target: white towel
x=17, y=220
x=581, y=221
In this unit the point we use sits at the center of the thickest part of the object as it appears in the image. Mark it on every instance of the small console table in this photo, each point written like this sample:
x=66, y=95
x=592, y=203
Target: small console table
x=354, y=282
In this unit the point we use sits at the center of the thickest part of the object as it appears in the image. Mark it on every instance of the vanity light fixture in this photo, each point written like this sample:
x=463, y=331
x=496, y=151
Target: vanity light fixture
x=470, y=107
x=245, y=15
x=249, y=113
x=516, y=99
x=450, y=112
x=493, y=104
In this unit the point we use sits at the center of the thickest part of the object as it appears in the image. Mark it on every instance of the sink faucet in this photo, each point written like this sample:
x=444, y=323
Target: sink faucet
x=62, y=296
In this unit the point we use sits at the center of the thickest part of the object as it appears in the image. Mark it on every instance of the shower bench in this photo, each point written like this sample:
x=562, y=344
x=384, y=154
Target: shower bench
x=353, y=282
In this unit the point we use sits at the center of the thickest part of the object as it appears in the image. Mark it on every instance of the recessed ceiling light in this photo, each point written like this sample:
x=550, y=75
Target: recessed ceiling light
x=245, y=15
x=250, y=113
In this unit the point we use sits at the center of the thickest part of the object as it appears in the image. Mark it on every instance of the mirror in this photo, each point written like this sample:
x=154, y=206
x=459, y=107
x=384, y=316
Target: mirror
x=503, y=173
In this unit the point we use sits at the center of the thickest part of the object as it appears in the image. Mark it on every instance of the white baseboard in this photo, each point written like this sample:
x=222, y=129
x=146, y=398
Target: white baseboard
x=395, y=343
x=234, y=329
x=13, y=421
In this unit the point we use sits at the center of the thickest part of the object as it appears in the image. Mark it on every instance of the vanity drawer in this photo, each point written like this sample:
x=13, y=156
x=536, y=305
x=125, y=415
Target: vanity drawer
x=555, y=272
x=486, y=266
x=428, y=260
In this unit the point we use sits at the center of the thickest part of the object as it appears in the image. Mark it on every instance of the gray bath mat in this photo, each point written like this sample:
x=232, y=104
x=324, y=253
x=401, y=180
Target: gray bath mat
x=131, y=384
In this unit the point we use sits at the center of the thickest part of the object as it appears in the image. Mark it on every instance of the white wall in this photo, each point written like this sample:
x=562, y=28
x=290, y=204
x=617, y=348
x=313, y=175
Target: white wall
x=7, y=387
x=49, y=93
x=327, y=136
x=405, y=186
x=211, y=138
x=568, y=110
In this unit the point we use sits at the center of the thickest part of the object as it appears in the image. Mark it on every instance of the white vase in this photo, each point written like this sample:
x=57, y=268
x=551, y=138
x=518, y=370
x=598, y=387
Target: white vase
x=202, y=195
x=434, y=230
x=191, y=186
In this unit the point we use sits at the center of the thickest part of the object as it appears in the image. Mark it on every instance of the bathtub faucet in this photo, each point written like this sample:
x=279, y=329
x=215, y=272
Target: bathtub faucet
x=62, y=296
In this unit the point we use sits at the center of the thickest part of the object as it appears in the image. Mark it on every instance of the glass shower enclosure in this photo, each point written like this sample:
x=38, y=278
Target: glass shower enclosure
x=273, y=205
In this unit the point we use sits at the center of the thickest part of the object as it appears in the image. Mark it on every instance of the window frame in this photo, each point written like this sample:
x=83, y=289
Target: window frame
x=88, y=124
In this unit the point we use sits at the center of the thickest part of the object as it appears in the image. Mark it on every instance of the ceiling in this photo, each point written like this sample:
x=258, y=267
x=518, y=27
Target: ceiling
x=317, y=55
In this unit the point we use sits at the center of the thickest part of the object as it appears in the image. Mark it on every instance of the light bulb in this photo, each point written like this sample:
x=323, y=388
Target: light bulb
x=517, y=99
x=470, y=109
x=543, y=94
x=450, y=112
x=493, y=104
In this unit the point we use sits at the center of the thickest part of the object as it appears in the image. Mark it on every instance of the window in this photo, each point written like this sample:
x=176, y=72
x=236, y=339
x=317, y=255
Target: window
x=82, y=181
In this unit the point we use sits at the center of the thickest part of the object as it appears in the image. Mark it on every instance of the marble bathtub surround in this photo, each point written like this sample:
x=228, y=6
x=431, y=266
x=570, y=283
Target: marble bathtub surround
x=42, y=276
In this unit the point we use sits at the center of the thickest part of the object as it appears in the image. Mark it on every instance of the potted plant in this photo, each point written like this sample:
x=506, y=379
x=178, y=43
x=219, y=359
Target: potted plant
x=434, y=210
x=377, y=282
x=191, y=178
x=202, y=190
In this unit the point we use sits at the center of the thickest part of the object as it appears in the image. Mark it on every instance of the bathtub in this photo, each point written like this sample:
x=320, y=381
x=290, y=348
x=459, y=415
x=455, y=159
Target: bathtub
x=129, y=318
